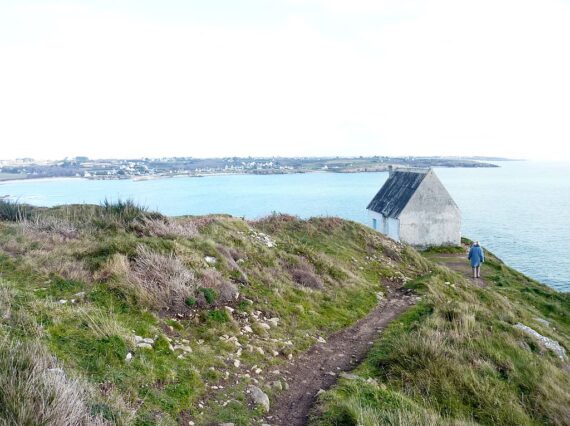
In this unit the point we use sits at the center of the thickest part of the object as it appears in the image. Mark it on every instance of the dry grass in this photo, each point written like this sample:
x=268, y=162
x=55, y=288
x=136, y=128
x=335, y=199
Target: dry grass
x=169, y=228
x=162, y=281
x=50, y=225
x=34, y=390
x=227, y=291
x=303, y=273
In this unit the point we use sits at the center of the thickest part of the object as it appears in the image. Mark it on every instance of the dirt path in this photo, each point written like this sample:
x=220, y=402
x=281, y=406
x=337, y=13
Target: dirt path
x=460, y=264
x=318, y=368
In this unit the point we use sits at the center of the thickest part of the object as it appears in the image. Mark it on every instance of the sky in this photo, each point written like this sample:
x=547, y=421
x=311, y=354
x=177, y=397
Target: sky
x=213, y=78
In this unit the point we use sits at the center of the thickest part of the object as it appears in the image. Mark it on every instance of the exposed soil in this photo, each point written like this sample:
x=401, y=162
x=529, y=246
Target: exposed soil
x=460, y=264
x=319, y=367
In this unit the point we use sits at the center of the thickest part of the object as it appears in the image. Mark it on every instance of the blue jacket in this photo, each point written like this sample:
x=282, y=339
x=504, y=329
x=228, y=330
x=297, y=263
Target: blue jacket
x=476, y=256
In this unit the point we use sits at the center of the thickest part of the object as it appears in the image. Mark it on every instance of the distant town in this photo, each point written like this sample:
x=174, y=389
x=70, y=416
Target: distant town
x=149, y=168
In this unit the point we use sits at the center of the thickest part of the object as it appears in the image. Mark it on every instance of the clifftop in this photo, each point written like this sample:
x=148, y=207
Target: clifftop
x=117, y=315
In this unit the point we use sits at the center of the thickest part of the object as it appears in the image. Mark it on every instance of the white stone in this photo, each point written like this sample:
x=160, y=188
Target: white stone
x=129, y=357
x=210, y=260
x=144, y=345
x=548, y=343
x=259, y=397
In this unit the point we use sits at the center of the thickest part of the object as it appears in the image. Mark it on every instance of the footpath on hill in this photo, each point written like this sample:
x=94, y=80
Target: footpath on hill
x=458, y=262
x=320, y=367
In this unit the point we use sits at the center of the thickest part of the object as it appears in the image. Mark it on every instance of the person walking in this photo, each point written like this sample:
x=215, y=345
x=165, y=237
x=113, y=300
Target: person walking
x=476, y=256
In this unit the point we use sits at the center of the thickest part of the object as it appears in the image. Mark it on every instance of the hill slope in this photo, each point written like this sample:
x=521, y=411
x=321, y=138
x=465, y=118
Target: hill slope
x=114, y=315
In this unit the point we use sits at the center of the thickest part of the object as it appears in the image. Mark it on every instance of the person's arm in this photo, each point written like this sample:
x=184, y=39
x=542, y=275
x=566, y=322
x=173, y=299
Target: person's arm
x=470, y=253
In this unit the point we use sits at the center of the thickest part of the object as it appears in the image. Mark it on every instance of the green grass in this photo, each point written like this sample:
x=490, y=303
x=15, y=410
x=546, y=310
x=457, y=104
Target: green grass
x=83, y=306
x=75, y=293
x=456, y=358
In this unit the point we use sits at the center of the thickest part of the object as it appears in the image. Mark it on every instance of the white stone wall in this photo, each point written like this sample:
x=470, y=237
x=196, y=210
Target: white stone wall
x=387, y=226
x=431, y=217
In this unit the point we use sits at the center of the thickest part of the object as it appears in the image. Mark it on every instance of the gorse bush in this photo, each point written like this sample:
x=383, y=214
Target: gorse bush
x=124, y=214
x=14, y=211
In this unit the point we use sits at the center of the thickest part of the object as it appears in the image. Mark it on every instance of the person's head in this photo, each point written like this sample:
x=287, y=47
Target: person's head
x=476, y=243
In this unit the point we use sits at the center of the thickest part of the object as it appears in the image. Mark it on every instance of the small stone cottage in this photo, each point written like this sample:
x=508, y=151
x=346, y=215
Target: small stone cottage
x=414, y=207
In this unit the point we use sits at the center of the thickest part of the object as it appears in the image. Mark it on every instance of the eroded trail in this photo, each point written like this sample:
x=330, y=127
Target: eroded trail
x=319, y=367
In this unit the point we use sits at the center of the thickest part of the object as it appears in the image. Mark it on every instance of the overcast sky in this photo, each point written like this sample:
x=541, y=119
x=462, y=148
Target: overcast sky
x=119, y=78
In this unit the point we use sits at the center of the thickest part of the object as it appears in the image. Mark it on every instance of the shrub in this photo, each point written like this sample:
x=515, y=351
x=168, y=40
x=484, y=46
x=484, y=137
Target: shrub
x=122, y=214
x=169, y=228
x=226, y=290
x=14, y=211
x=162, y=280
x=50, y=225
x=35, y=390
x=209, y=295
x=303, y=273
x=218, y=315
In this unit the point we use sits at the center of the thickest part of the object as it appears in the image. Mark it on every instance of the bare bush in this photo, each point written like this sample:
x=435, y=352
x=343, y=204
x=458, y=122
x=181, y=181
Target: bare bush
x=227, y=291
x=34, y=390
x=50, y=225
x=169, y=228
x=303, y=273
x=163, y=280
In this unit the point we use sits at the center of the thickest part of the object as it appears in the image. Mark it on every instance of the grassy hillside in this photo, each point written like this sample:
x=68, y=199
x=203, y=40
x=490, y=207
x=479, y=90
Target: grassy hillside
x=115, y=315
x=459, y=357
x=221, y=301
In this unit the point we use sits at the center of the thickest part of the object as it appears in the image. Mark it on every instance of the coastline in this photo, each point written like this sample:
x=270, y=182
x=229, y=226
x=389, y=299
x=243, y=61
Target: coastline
x=140, y=178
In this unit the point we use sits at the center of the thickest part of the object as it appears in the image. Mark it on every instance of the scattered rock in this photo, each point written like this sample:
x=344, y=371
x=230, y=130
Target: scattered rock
x=237, y=363
x=129, y=357
x=183, y=348
x=210, y=260
x=321, y=340
x=144, y=345
x=63, y=301
x=264, y=325
x=259, y=397
x=542, y=321
x=226, y=424
x=247, y=329
x=547, y=342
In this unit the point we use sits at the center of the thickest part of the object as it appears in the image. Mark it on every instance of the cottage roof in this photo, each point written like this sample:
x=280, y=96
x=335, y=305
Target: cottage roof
x=394, y=195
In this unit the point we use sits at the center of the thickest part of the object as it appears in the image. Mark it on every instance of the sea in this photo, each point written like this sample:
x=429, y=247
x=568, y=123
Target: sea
x=520, y=210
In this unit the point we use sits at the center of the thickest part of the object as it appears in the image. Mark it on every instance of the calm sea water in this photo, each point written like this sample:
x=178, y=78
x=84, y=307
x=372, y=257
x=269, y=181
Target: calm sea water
x=520, y=211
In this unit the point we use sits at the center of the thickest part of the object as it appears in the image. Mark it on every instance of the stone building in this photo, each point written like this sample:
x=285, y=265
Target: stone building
x=414, y=207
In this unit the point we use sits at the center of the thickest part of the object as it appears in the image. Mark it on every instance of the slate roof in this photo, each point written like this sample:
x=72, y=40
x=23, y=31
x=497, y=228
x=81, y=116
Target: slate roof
x=396, y=192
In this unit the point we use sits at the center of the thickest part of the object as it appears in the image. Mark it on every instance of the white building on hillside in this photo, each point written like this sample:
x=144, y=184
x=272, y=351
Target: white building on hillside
x=415, y=208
